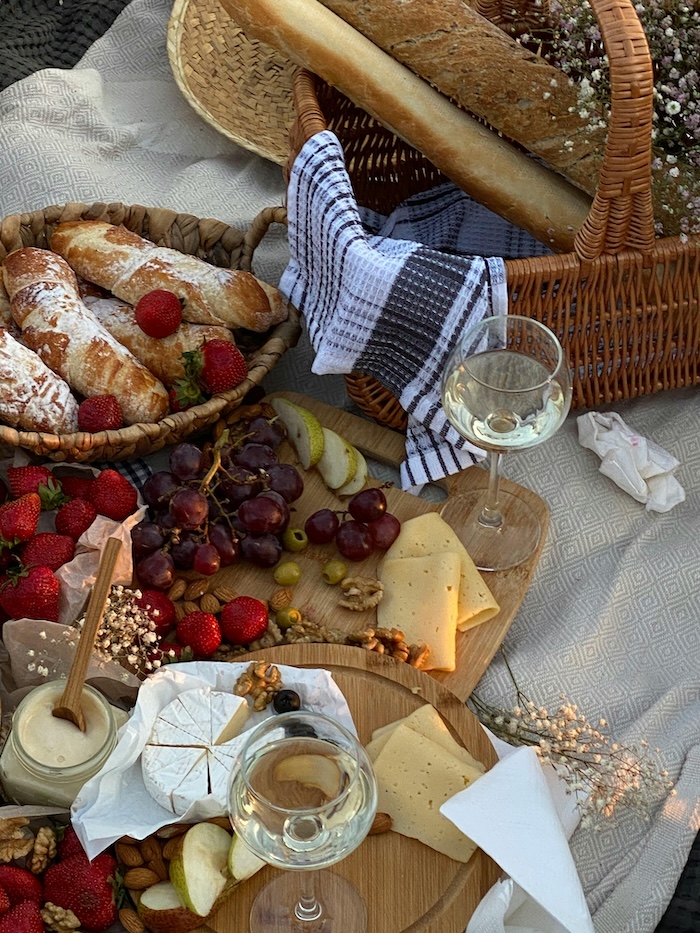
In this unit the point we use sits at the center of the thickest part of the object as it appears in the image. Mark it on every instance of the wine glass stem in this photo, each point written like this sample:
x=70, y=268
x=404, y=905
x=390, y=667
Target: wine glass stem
x=491, y=515
x=308, y=906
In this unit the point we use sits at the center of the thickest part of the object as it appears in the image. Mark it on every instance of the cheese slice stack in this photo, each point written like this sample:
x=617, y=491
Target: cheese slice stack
x=416, y=774
x=192, y=748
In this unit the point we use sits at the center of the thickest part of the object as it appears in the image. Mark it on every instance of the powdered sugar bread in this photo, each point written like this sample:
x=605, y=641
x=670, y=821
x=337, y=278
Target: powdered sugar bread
x=55, y=323
x=33, y=397
x=129, y=266
x=162, y=355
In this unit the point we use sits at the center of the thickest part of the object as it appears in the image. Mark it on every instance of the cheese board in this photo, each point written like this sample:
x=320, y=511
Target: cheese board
x=319, y=602
x=407, y=885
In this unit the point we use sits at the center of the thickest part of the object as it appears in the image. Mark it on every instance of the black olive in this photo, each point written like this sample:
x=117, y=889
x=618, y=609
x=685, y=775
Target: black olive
x=286, y=701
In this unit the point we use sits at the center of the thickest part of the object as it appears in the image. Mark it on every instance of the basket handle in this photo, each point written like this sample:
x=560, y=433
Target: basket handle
x=622, y=214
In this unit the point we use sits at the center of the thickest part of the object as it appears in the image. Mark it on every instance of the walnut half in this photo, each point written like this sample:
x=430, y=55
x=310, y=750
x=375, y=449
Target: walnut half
x=360, y=593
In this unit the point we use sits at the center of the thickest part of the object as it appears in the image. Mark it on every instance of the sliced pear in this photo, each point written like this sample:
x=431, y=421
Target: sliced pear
x=359, y=480
x=303, y=429
x=242, y=862
x=311, y=771
x=338, y=463
x=162, y=910
x=199, y=870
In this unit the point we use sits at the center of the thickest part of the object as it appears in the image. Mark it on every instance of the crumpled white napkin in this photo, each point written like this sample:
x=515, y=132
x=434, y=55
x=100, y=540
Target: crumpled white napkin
x=637, y=465
x=522, y=816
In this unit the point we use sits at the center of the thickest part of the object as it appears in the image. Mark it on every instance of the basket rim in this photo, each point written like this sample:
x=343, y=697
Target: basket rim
x=277, y=340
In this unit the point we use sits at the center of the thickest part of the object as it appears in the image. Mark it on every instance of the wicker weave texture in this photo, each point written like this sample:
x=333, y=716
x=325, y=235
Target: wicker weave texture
x=625, y=305
x=210, y=240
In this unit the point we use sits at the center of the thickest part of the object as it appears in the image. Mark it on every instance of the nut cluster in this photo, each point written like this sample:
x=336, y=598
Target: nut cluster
x=391, y=642
x=360, y=593
x=261, y=681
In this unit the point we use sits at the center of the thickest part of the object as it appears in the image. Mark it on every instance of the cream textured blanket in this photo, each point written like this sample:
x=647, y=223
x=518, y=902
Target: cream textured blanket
x=612, y=618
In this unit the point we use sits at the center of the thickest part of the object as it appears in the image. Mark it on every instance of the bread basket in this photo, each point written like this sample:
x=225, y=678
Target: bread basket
x=625, y=305
x=210, y=240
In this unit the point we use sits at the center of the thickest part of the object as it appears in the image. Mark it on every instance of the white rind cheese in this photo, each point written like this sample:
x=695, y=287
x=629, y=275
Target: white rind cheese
x=192, y=748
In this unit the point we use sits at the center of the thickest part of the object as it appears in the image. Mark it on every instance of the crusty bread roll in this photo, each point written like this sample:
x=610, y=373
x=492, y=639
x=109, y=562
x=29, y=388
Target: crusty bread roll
x=481, y=68
x=480, y=162
x=33, y=397
x=129, y=266
x=71, y=341
x=162, y=355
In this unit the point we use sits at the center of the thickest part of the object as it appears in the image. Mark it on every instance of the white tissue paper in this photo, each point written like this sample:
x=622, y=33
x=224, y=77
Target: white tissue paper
x=115, y=802
x=526, y=833
x=637, y=465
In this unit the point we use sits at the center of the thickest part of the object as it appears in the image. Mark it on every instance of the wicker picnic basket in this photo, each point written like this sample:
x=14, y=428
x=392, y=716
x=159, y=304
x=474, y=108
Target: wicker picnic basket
x=211, y=240
x=625, y=305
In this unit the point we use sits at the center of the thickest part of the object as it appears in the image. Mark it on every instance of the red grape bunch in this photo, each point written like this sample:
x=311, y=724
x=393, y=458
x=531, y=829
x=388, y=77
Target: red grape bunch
x=365, y=527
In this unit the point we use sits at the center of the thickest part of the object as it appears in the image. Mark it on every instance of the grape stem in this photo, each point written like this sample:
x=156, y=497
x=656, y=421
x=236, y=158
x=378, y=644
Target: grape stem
x=211, y=472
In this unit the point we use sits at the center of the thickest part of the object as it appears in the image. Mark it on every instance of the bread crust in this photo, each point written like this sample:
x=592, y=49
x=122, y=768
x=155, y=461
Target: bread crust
x=57, y=326
x=129, y=266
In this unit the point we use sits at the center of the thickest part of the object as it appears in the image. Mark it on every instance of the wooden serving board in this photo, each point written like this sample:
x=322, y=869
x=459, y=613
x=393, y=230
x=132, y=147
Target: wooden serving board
x=406, y=885
x=318, y=600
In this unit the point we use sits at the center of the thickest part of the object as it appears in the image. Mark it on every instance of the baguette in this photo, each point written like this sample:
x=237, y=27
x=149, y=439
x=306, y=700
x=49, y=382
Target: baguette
x=480, y=162
x=162, y=355
x=129, y=266
x=33, y=397
x=55, y=323
x=479, y=66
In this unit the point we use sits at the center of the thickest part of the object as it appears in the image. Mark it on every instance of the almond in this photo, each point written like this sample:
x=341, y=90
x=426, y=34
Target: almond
x=209, y=603
x=128, y=855
x=281, y=598
x=171, y=847
x=197, y=588
x=150, y=848
x=136, y=879
x=173, y=829
x=224, y=593
x=131, y=921
x=177, y=590
x=158, y=866
x=382, y=824
x=190, y=606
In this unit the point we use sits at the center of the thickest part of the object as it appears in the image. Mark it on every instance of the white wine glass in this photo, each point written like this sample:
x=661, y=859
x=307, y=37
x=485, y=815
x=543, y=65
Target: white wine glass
x=302, y=798
x=506, y=387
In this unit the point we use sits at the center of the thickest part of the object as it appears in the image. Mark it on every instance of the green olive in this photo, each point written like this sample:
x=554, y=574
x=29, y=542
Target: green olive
x=295, y=539
x=334, y=571
x=287, y=617
x=288, y=573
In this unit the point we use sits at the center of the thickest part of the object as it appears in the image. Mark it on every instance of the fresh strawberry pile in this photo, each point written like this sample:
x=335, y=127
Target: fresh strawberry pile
x=89, y=890
x=29, y=558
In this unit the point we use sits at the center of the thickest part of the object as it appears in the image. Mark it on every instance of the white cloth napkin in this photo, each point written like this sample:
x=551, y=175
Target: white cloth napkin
x=521, y=815
x=637, y=465
x=391, y=296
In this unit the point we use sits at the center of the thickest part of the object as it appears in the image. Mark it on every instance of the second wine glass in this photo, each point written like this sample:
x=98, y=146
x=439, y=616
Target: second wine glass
x=506, y=387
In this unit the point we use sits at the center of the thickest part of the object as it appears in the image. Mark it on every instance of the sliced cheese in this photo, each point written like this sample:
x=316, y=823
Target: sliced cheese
x=421, y=599
x=426, y=721
x=179, y=764
x=429, y=534
x=415, y=776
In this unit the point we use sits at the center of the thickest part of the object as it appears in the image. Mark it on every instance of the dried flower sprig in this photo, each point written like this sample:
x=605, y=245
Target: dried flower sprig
x=602, y=773
x=127, y=634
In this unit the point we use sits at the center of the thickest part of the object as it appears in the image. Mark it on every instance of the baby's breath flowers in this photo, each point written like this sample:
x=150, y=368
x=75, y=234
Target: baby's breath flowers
x=127, y=634
x=602, y=773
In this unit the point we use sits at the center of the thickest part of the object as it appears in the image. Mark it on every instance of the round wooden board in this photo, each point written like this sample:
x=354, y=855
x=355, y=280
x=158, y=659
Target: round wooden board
x=407, y=885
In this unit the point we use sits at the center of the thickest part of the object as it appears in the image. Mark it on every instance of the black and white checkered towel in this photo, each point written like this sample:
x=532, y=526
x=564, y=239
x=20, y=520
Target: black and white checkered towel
x=390, y=296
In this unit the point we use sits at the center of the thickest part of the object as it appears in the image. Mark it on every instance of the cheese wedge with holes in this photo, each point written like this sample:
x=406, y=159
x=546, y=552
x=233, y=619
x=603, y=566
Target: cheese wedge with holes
x=426, y=721
x=421, y=599
x=415, y=776
x=428, y=535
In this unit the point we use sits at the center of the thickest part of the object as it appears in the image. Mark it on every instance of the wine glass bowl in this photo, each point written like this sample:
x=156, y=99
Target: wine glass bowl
x=302, y=798
x=506, y=387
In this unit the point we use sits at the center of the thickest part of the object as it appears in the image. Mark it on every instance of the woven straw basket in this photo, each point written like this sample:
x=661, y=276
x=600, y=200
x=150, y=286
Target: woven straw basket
x=210, y=240
x=626, y=306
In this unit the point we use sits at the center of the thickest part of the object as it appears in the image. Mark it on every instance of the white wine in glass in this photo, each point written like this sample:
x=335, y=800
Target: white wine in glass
x=303, y=798
x=506, y=387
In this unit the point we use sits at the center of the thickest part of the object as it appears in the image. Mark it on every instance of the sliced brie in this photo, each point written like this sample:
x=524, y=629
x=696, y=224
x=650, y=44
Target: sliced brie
x=165, y=768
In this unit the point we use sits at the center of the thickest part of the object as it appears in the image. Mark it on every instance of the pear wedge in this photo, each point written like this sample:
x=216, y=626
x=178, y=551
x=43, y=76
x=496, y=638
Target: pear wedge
x=303, y=429
x=311, y=771
x=359, y=480
x=162, y=910
x=199, y=870
x=242, y=862
x=338, y=464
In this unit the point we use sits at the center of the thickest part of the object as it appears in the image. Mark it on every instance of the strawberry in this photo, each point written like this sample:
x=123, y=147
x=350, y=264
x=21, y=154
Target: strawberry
x=100, y=413
x=216, y=367
x=200, y=631
x=113, y=495
x=18, y=519
x=30, y=593
x=47, y=549
x=69, y=843
x=38, y=479
x=84, y=887
x=243, y=620
x=160, y=608
x=77, y=487
x=177, y=404
x=19, y=884
x=24, y=917
x=4, y=901
x=75, y=517
x=158, y=313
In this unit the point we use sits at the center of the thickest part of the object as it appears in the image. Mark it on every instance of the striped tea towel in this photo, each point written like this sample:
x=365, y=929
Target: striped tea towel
x=390, y=296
